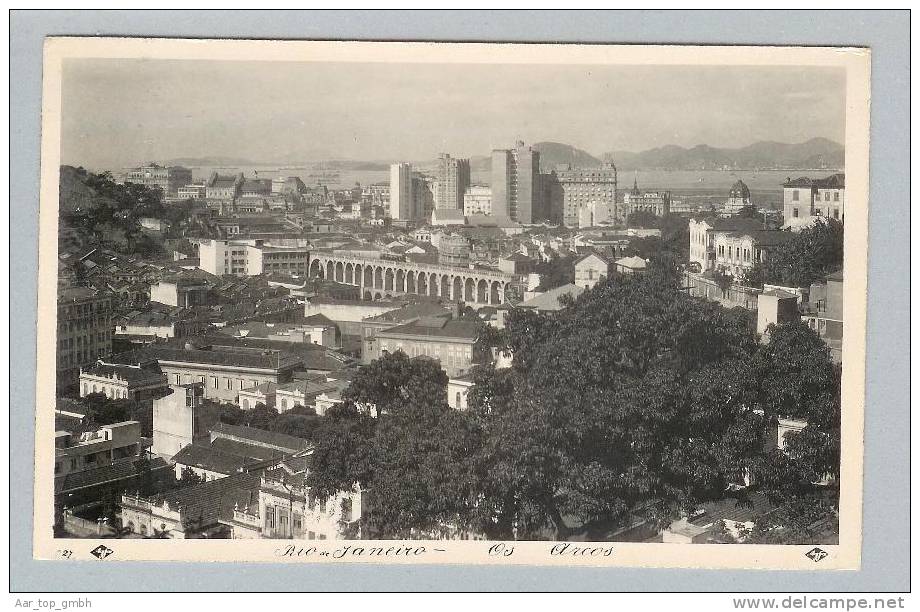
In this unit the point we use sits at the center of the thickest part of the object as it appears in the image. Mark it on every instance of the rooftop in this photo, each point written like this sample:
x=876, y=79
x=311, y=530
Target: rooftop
x=261, y=437
x=131, y=373
x=106, y=474
x=238, y=356
x=204, y=504
x=410, y=312
x=437, y=328
x=834, y=181
x=549, y=301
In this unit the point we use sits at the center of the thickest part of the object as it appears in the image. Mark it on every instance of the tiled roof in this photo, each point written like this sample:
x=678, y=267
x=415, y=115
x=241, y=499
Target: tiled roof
x=549, y=301
x=410, y=312
x=592, y=254
x=635, y=262
x=204, y=504
x=260, y=436
x=216, y=354
x=834, y=181
x=207, y=457
x=122, y=470
x=468, y=330
x=733, y=224
x=311, y=387
x=130, y=373
x=251, y=452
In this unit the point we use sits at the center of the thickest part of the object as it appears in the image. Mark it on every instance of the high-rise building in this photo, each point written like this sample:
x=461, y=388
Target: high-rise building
x=401, y=203
x=423, y=196
x=453, y=181
x=516, y=183
x=582, y=186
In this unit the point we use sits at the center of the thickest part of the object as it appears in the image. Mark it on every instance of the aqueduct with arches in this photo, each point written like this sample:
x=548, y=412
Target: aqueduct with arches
x=381, y=278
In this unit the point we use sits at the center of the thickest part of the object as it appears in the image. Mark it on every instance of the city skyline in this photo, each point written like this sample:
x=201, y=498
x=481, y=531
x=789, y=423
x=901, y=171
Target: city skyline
x=367, y=112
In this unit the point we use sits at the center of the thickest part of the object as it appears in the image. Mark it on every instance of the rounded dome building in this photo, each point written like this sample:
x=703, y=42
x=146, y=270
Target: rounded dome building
x=738, y=197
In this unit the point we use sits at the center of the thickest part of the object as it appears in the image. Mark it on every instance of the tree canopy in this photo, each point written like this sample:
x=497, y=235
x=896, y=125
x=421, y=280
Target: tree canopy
x=812, y=253
x=635, y=399
x=107, y=212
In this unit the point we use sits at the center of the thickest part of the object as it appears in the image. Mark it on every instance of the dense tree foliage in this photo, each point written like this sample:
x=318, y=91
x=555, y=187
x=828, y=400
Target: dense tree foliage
x=674, y=239
x=102, y=410
x=397, y=438
x=297, y=425
x=812, y=253
x=557, y=272
x=636, y=399
x=108, y=213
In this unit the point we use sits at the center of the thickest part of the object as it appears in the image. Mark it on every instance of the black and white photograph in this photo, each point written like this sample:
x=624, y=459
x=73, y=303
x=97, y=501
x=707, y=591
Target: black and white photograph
x=422, y=302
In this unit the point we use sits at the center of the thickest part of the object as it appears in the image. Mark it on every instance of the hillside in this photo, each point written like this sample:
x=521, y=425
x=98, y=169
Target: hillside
x=553, y=154
x=811, y=154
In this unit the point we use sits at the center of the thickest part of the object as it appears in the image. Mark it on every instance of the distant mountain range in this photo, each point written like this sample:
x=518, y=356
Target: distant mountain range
x=811, y=154
x=816, y=153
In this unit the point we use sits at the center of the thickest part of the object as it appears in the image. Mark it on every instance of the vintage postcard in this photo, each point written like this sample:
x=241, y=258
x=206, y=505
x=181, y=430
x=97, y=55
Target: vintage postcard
x=367, y=302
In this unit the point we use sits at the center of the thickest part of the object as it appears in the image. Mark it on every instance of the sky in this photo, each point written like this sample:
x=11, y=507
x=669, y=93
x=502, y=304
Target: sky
x=121, y=113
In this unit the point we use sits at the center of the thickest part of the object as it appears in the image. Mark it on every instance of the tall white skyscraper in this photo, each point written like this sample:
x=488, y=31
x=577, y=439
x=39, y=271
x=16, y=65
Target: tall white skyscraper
x=401, y=202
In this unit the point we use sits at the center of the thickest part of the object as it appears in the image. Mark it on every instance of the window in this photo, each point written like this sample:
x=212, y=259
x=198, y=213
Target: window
x=836, y=196
x=827, y=196
x=228, y=383
x=458, y=399
x=795, y=212
x=269, y=517
x=795, y=195
x=836, y=213
x=214, y=382
x=178, y=379
x=311, y=535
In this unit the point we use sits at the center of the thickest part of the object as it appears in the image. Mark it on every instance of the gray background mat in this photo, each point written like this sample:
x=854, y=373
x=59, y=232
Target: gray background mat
x=885, y=556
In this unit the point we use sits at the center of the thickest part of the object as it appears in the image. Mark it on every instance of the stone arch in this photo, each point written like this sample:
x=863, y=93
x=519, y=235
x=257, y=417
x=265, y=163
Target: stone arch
x=245, y=405
x=368, y=277
x=400, y=281
x=433, y=284
x=457, y=290
x=410, y=281
x=316, y=269
x=377, y=296
x=469, y=290
x=388, y=279
x=339, y=272
x=445, y=287
x=378, y=278
x=495, y=296
x=368, y=296
x=422, y=284
x=349, y=274
x=482, y=291
x=330, y=270
x=356, y=278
